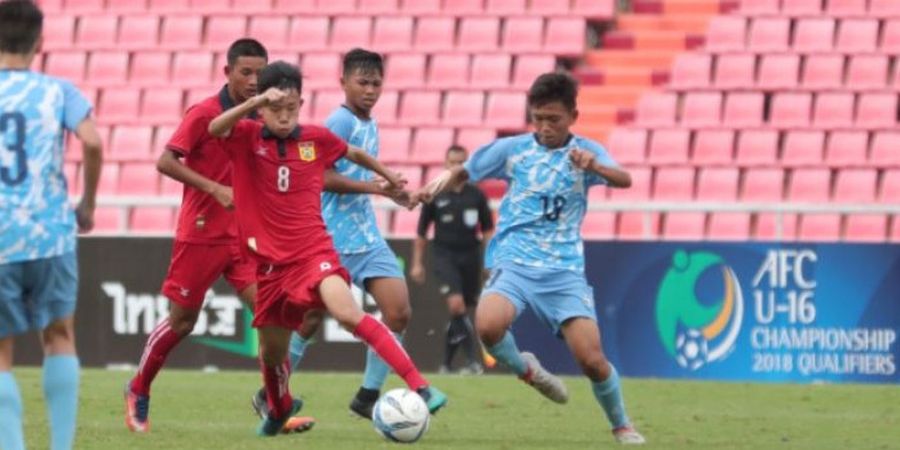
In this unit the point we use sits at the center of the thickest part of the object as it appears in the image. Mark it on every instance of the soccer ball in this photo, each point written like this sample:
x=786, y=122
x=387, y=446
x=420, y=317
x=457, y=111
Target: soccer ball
x=400, y=415
x=692, y=349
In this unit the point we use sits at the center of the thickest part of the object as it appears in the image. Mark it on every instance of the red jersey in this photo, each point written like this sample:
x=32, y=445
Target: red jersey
x=277, y=190
x=202, y=219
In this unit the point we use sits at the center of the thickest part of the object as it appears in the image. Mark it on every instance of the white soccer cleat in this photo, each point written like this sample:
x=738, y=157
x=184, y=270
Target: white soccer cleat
x=627, y=435
x=551, y=386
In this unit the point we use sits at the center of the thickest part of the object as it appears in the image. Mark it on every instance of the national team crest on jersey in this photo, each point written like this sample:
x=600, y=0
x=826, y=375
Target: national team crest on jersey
x=307, y=151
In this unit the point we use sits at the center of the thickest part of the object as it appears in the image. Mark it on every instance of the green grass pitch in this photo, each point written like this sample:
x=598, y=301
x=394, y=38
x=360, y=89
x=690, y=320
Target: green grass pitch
x=195, y=410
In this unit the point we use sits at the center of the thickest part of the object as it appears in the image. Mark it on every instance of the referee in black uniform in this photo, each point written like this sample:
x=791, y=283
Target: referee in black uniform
x=458, y=214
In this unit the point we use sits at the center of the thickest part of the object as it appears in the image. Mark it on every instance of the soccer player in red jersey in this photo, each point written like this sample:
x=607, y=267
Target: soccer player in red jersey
x=279, y=169
x=205, y=243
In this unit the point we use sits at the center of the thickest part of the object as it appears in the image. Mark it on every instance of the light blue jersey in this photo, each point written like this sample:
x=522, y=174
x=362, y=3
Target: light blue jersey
x=350, y=218
x=35, y=110
x=542, y=211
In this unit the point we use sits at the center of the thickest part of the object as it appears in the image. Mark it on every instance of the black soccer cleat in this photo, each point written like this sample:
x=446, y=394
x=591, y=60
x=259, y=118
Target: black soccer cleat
x=364, y=402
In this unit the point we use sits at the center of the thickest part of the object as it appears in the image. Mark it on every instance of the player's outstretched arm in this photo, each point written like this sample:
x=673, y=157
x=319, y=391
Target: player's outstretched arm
x=449, y=177
x=221, y=125
x=360, y=157
x=92, y=161
x=169, y=164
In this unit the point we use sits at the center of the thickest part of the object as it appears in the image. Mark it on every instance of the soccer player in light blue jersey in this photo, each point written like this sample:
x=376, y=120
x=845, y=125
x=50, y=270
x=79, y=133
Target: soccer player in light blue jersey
x=38, y=265
x=537, y=254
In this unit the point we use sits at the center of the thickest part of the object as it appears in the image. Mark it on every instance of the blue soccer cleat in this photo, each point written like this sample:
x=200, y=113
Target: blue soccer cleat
x=270, y=426
x=434, y=398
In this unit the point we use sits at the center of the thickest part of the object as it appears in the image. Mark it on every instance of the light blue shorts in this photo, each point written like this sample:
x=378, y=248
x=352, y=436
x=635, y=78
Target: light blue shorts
x=553, y=295
x=380, y=262
x=35, y=293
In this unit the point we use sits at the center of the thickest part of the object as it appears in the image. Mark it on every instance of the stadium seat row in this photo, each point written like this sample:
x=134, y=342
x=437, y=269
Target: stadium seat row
x=835, y=8
x=301, y=34
x=733, y=33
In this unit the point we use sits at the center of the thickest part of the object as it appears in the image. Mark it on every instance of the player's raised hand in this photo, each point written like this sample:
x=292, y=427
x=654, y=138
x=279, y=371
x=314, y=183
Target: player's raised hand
x=397, y=180
x=422, y=195
x=582, y=159
x=224, y=195
x=272, y=95
x=84, y=216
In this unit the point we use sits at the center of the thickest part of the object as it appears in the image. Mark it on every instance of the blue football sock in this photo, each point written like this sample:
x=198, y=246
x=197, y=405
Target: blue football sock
x=376, y=369
x=61, y=377
x=609, y=396
x=508, y=354
x=297, y=350
x=11, y=437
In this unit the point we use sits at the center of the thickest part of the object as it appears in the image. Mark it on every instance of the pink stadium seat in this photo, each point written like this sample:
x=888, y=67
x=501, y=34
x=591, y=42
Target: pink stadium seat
x=473, y=138
x=801, y=7
x=763, y=185
x=197, y=95
x=131, y=143
x=713, y=147
x=192, y=68
x=628, y=145
x=449, y=71
x=84, y=6
x=393, y=34
x=736, y=71
x=820, y=227
x=691, y=71
x=528, y=67
x=726, y=226
x=868, y=72
x=139, y=178
x=213, y=6
x=687, y=226
x=435, y=34
x=463, y=108
x=140, y=32
x=160, y=137
x=168, y=6
x=866, y=228
x=845, y=8
x=810, y=185
x=669, y=146
x=118, y=105
x=877, y=110
x=473, y=7
x=565, y=36
x=637, y=225
x=834, y=110
x=405, y=223
x=413, y=174
x=718, y=184
x=272, y=31
x=59, y=32
x=726, y=34
x=505, y=7
x=823, y=72
x=890, y=187
x=430, y=144
x=505, y=110
x=701, y=109
x=743, y=110
x=890, y=40
x=674, y=184
x=791, y=109
x=152, y=219
x=769, y=34
x=803, y=148
x=109, y=182
x=386, y=108
x=641, y=182
x=813, y=35
x=593, y=9
x=757, y=148
x=68, y=65
x=884, y=8
x=221, y=31
x=350, y=32
x=182, y=32
x=885, y=149
x=778, y=71
x=375, y=7
x=523, y=34
x=170, y=187
x=657, y=109
x=405, y=70
x=847, y=148
x=549, y=7
x=150, y=69
x=857, y=36
x=599, y=225
x=322, y=70
x=393, y=144
x=162, y=105
x=308, y=34
x=856, y=186
x=108, y=220
x=490, y=71
x=107, y=69
x=325, y=103
x=421, y=7
x=420, y=108
x=478, y=34
x=126, y=6
x=336, y=7
x=97, y=32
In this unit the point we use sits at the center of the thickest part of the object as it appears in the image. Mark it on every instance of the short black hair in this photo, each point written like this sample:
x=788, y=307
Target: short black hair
x=364, y=60
x=21, y=22
x=245, y=47
x=457, y=148
x=553, y=87
x=281, y=75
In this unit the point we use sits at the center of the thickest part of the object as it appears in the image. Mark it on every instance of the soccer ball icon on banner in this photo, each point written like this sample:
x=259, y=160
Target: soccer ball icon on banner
x=691, y=349
x=400, y=415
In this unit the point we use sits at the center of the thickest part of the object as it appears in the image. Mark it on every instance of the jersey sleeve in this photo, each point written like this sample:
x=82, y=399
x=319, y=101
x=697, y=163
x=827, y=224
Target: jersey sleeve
x=332, y=147
x=425, y=219
x=485, y=217
x=340, y=124
x=489, y=161
x=603, y=157
x=191, y=132
x=76, y=106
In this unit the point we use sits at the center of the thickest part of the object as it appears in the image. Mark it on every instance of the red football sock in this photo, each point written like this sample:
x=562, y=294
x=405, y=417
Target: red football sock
x=380, y=339
x=161, y=341
x=278, y=394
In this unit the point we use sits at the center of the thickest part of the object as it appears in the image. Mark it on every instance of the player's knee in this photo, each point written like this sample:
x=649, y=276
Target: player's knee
x=488, y=331
x=183, y=325
x=594, y=366
x=272, y=356
x=396, y=317
x=58, y=338
x=312, y=320
x=456, y=305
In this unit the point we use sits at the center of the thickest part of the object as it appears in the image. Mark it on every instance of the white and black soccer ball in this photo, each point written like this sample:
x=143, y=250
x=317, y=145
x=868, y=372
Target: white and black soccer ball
x=400, y=415
x=691, y=349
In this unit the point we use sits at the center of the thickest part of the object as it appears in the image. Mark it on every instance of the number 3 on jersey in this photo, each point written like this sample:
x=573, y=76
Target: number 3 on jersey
x=14, y=124
x=284, y=178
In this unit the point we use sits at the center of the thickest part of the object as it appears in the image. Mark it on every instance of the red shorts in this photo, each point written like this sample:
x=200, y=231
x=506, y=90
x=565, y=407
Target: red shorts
x=288, y=291
x=195, y=267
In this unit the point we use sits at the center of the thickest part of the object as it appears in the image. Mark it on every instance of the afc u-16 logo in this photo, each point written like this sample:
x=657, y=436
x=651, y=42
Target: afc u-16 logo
x=694, y=333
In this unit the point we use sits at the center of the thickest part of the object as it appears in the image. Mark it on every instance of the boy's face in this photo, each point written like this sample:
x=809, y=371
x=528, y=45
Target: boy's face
x=552, y=122
x=362, y=89
x=281, y=117
x=242, y=76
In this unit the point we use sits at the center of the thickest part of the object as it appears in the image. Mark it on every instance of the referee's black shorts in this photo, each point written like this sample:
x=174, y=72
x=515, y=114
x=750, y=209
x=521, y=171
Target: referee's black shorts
x=458, y=272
